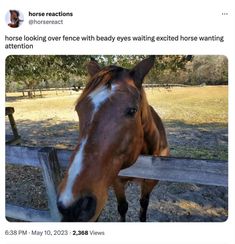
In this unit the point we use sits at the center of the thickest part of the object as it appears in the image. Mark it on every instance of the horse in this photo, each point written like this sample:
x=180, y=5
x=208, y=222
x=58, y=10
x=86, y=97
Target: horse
x=14, y=18
x=116, y=125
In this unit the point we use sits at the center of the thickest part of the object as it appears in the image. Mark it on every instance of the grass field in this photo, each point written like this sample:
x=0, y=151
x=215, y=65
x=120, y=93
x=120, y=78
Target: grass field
x=196, y=118
x=196, y=121
x=192, y=105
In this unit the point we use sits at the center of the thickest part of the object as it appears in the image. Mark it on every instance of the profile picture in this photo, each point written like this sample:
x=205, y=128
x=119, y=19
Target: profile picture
x=14, y=18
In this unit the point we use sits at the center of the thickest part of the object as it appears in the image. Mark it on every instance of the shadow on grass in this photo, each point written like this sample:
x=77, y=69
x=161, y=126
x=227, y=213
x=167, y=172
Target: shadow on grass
x=173, y=202
x=190, y=203
x=208, y=140
x=170, y=201
x=49, y=132
x=20, y=98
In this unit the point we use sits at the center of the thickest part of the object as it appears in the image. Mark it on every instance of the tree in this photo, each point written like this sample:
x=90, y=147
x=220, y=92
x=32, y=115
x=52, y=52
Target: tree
x=164, y=65
x=209, y=69
x=29, y=70
x=32, y=70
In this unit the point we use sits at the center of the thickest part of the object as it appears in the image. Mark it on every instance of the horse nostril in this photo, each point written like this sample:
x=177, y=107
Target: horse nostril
x=86, y=208
x=81, y=210
x=87, y=203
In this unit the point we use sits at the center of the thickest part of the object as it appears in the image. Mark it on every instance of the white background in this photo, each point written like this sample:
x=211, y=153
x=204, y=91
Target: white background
x=151, y=17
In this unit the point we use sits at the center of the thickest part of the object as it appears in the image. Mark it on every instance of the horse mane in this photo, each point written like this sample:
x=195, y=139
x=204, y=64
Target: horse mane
x=103, y=78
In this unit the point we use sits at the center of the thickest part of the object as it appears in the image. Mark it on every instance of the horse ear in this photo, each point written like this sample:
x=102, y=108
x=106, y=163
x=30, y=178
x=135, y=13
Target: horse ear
x=93, y=67
x=141, y=70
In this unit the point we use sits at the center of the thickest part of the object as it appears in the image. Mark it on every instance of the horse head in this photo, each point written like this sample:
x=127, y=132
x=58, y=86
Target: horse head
x=111, y=110
x=14, y=18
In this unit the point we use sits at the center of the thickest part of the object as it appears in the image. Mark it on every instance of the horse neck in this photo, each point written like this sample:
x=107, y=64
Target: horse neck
x=155, y=142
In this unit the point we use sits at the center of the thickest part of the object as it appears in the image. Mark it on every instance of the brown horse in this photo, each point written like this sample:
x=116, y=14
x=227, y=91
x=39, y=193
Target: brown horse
x=14, y=18
x=116, y=126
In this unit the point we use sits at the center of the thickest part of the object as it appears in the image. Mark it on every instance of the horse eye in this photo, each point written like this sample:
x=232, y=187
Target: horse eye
x=131, y=112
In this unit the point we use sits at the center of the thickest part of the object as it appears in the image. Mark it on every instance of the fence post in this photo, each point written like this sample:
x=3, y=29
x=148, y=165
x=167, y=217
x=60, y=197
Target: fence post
x=52, y=175
x=16, y=137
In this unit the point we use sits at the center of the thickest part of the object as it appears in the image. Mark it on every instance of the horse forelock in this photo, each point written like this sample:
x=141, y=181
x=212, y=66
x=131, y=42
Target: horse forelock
x=103, y=78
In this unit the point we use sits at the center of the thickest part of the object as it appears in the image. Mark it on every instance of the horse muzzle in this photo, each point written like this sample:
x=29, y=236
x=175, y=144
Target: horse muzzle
x=81, y=211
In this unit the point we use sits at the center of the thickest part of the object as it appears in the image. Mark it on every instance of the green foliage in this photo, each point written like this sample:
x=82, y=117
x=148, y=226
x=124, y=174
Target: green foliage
x=38, y=71
x=211, y=70
x=43, y=70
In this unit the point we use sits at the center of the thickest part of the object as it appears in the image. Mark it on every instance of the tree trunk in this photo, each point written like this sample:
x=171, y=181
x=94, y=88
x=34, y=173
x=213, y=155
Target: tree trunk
x=30, y=93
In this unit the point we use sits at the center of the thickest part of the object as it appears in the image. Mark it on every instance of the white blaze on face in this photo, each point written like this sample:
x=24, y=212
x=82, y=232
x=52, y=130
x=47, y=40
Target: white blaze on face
x=66, y=197
x=100, y=95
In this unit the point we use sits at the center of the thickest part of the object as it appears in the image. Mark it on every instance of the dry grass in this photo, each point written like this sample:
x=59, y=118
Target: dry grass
x=60, y=107
x=197, y=127
x=191, y=105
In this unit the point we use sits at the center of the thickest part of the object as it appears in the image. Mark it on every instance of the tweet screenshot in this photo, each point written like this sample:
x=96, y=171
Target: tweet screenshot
x=119, y=122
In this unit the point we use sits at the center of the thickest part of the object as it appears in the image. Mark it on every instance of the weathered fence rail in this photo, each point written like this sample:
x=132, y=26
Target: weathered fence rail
x=50, y=160
x=153, y=85
x=13, y=139
x=32, y=92
x=72, y=88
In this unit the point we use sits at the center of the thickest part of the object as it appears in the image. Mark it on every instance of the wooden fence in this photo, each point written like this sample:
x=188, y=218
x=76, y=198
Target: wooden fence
x=39, y=91
x=13, y=138
x=32, y=92
x=51, y=161
x=153, y=85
